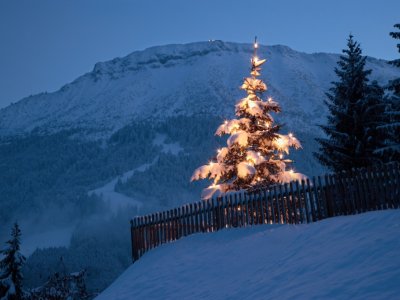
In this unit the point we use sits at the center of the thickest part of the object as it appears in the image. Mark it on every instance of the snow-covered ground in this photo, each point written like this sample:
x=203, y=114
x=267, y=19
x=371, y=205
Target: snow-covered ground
x=117, y=200
x=172, y=148
x=353, y=257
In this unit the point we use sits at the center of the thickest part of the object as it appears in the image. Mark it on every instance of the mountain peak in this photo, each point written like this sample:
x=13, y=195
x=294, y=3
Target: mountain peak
x=183, y=79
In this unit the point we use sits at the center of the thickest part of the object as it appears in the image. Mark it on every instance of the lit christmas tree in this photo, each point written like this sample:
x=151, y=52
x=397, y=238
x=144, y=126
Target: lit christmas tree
x=255, y=154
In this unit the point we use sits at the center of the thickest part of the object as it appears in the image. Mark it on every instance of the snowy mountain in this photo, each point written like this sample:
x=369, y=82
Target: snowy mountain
x=350, y=257
x=124, y=139
x=197, y=78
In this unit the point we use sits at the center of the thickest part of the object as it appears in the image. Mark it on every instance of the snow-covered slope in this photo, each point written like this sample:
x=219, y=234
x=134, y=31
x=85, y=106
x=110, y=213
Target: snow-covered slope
x=352, y=257
x=182, y=79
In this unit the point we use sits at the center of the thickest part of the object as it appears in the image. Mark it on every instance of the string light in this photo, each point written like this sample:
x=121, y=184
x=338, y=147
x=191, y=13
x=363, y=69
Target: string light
x=223, y=169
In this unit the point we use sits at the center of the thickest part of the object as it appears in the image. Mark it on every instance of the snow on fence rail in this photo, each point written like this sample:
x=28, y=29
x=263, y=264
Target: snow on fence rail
x=297, y=202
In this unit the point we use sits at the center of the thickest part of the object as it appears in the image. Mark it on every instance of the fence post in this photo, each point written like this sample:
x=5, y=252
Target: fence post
x=282, y=205
x=179, y=222
x=164, y=228
x=146, y=233
x=277, y=216
x=195, y=218
x=328, y=197
x=139, y=238
x=228, y=211
x=209, y=217
x=357, y=191
x=184, y=220
x=259, y=212
x=236, y=211
x=249, y=209
x=231, y=212
x=262, y=204
x=396, y=192
x=293, y=203
x=363, y=189
x=288, y=204
x=201, y=216
x=394, y=183
x=352, y=183
x=213, y=214
x=159, y=228
x=323, y=202
x=299, y=207
x=253, y=204
x=335, y=194
x=387, y=186
x=218, y=213
x=191, y=219
x=316, y=199
x=154, y=230
x=380, y=188
x=277, y=205
x=222, y=212
x=206, y=215
x=133, y=241
x=169, y=226
x=372, y=203
x=151, y=227
x=266, y=205
x=311, y=199
x=305, y=198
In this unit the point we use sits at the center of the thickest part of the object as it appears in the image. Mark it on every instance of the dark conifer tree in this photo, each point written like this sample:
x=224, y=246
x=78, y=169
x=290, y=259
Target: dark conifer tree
x=391, y=151
x=10, y=267
x=62, y=286
x=396, y=62
x=370, y=116
x=354, y=108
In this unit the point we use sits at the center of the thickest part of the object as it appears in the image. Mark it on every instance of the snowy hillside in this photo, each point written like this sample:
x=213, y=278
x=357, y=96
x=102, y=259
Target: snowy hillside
x=197, y=78
x=125, y=138
x=352, y=257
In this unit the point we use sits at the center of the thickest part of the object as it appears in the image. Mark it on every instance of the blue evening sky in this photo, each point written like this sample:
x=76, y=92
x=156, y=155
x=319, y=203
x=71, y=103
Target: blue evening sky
x=47, y=43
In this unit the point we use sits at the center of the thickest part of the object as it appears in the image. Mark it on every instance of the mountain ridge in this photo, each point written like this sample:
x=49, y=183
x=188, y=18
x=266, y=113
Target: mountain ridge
x=176, y=79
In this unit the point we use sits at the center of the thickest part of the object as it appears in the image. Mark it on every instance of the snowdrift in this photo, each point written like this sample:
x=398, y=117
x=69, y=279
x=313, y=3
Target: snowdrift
x=347, y=257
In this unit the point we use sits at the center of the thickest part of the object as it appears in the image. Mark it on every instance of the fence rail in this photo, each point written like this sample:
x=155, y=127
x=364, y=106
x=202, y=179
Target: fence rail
x=296, y=202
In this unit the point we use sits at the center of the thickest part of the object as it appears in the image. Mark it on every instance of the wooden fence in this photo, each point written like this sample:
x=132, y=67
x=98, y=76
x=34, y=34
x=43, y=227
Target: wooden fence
x=296, y=202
